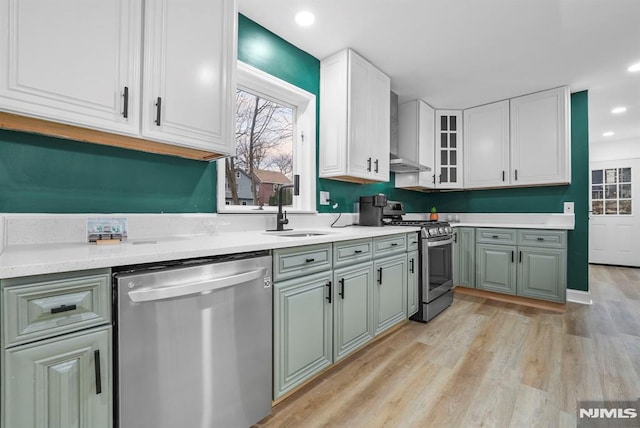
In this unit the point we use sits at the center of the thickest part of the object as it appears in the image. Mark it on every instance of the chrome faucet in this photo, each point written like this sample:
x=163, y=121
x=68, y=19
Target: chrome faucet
x=281, y=218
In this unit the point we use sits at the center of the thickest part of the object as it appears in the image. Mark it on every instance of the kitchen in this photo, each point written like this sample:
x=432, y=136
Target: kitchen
x=57, y=176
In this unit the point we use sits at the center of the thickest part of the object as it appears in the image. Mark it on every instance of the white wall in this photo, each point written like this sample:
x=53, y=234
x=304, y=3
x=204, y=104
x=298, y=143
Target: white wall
x=614, y=150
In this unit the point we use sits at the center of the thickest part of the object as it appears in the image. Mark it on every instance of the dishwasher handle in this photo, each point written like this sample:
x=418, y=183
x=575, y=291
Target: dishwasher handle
x=180, y=290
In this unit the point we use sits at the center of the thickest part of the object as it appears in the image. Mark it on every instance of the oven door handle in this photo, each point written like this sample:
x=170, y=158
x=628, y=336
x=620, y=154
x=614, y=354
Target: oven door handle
x=440, y=243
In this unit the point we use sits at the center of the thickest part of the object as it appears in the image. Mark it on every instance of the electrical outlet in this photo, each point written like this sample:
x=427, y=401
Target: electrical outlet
x=324, y=198
x=568, y=208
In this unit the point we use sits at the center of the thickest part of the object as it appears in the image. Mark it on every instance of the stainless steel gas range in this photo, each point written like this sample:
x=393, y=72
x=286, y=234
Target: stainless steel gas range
x=436, y=261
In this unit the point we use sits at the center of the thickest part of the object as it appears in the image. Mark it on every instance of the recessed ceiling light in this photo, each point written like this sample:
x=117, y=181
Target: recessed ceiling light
x=634, y=67
x=304, y=18
x=608, y=134
x=619, y=110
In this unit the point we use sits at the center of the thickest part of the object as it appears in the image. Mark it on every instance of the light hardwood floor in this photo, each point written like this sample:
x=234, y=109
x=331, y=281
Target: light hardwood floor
x=486, y=363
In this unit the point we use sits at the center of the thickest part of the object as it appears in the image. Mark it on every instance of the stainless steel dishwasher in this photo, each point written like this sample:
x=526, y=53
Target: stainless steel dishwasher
x=194, y=343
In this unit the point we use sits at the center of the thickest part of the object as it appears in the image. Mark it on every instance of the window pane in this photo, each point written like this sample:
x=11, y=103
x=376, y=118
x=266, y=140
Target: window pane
x=443, y=123
x=443, y=157
x=625, y=207
x=611, y=192
x=596, y=176
x=443, y=139
x=596, y=207
x=264, y=151
x=596, y=192
x=611, y=207
x=625, y=175
x=453, y=141
x=611, y=176
x=452, y=122
x=444, y=175
x=453, y=157
x=625, y=191
x=454, y=175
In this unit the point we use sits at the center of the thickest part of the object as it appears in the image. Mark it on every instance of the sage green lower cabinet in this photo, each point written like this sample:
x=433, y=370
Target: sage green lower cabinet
x=352, y=308
x=542, y=273
x=412, y=282
x=464, y=273
x=303, y=331
x=496, y=268
x=389, y=291
x=55, y=382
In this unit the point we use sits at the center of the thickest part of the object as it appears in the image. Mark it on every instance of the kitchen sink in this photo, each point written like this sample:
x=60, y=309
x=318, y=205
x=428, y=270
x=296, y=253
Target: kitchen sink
x=298, y=233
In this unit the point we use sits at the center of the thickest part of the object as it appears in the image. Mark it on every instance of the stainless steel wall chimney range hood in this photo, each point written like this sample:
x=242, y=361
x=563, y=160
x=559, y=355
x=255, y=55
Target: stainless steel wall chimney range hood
x=397, y=163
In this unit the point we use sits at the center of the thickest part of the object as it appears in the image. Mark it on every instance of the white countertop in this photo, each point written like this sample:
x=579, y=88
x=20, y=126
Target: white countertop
x=36, y=259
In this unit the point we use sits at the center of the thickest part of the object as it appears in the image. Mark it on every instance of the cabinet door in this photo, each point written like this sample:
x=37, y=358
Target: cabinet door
x=390, y=291
x=465, y=251
x=189, y=73
x=353, y=309
x=542, y=273
x=540, y=138
x=496, y=268
x=379, y=139
x=486, y=145
x=412, y=282
x=448, y=154
x=360, y=157
x=56, y=383
x=70, y=61
x=302, y=326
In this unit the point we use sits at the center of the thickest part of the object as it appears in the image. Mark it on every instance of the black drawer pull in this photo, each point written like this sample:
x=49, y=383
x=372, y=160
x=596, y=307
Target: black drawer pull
x=63, y=308
x=341, y=293
x=495, y=236
x=412, y=262
x=376, y=162
x=158, y=110
x=96, y=363
x=369, y=164
x=540, y=239
x=358, y=251
x=310, y=260
x=516, y=175
x=502, y=175
x=520, y=257
x=125, y=109
x=394, y=244
x=512, y=257
x=328, y=284
x=379, y=275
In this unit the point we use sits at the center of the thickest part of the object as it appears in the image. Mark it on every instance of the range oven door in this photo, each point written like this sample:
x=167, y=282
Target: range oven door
x=437, y=267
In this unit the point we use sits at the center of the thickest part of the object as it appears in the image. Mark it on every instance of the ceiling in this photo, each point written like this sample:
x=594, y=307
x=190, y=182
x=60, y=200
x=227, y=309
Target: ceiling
x=463, y=53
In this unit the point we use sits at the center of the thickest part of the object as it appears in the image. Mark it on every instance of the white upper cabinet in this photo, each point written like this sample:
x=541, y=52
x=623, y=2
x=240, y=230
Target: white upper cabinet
x=540, y=138
x=416, y=132
x=189, y=83
x=354, y=119
x=75, y=62
x=448, y=153
x=81, y=63
x=486, y=145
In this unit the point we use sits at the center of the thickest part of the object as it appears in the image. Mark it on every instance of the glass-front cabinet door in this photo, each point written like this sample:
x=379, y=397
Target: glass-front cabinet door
x=448, y=172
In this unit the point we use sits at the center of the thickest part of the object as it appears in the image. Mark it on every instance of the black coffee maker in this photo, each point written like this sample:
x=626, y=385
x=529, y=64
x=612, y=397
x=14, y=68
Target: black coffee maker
x=371, y=209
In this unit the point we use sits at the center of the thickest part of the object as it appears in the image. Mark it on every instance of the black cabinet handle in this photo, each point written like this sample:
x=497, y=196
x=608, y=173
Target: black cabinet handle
x=502, y=175
x=440, y=178
x=495, y=236
x=369, y=164
x=516, y=175
x=310, y=260
x=379, y=275
x=394, y=244
x=520, y=257
x=433, y=178
x=63, y=308
x=158, y=110
x=341, y=293
x=512, y=255
x=358, y=251
x=376, y=162
x=125, y=108
x=412, y=263
x=455, y=237
x=540, y=238
x=328, y=284
x=96, y=364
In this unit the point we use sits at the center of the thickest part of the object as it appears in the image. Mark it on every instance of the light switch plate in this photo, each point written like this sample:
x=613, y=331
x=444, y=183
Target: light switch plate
x=568, y=208
x=324, y=198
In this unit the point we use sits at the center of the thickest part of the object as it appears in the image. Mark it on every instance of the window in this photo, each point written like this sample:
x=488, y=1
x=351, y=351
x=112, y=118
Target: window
x=611, y=191
x=275, y=140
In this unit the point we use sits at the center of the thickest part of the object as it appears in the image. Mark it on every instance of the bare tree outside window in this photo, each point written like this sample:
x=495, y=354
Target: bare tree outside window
x=264, y=150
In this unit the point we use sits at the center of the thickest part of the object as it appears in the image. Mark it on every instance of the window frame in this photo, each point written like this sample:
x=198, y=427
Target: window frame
x=260, y=83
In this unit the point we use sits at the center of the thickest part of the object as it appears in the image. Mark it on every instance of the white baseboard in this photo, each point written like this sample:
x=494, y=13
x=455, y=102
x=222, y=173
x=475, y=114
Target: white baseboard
x=578, y=296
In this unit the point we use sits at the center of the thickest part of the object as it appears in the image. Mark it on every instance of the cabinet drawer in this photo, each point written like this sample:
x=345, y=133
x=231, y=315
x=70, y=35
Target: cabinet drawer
x=496, y=236
x=350, y=252
x=387, y=245
x=412, y=241
x=46, y=308
x=298, y=261
x=542, y=238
